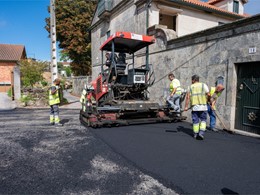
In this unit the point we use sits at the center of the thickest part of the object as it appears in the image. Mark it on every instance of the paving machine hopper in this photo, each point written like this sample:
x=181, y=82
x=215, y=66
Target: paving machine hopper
x=119, y=95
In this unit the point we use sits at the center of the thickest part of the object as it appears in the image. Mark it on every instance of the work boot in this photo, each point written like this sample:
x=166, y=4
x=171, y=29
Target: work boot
x=200, y=137
x=213, y=129
x=52, y=123
x=58, y=124
x=195, y=135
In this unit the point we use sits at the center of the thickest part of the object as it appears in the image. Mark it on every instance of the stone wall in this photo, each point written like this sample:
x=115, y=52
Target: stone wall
x=78, y=84
x=211, y=53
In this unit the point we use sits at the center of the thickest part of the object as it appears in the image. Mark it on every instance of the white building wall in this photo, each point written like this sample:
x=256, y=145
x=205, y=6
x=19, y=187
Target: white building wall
x=224, y=5
x=241, y=7
x=228, y=5
x=190, y=21
x=154, y=14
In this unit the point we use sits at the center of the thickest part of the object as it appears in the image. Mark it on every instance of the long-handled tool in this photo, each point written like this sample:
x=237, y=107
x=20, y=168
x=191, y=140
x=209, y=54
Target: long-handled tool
x=222, y=123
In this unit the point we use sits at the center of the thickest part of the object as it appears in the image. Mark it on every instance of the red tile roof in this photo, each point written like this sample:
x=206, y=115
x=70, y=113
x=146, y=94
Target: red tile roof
x=211, y=7
x=213, y=1
x=10, y=52
x=216, y=1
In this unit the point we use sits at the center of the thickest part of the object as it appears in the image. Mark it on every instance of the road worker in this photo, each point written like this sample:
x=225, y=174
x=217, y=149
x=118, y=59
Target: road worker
x=83, y=98
x=197, y=96
x=86, y=98
x=108, y=59
x=54, y=101
x=175, y=92
x=214, y=93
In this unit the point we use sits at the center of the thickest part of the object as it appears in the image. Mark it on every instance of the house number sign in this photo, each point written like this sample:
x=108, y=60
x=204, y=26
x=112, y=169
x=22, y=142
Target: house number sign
x=252, y=50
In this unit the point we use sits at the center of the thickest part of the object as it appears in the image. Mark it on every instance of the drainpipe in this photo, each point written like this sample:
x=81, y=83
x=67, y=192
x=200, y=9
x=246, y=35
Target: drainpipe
x=148, y=2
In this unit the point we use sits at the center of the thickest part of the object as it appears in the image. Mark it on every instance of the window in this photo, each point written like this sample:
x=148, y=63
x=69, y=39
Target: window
x=169, y=21
x=235, y=6
x=108, y=33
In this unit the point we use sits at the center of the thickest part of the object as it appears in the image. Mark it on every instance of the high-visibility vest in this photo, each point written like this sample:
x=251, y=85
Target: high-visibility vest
x=83, y=99
x=198, y=94
x=54, y=99
x=176, y=82
x=212, y=92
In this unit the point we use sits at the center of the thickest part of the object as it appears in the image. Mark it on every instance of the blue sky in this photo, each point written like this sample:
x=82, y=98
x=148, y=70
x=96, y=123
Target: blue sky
x=22, y=22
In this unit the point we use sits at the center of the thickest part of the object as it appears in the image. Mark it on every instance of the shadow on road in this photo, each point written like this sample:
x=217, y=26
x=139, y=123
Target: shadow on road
x=185, y=130
x=64, y=121
x=228, y=191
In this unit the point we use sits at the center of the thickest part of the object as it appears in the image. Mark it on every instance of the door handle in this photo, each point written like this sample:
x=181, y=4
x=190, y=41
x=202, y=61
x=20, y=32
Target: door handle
x=241, y=87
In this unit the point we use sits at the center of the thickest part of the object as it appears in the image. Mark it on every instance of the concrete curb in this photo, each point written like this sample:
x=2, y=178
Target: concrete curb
x=239, y=132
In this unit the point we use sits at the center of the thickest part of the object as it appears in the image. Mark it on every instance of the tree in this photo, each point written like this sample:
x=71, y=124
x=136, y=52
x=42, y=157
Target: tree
x=68, y=71
x=60, y=66
x=73, y=18
x=31, y=71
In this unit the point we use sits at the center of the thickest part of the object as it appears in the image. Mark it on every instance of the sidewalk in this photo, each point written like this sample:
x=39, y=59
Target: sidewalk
x=73, y=101
x=6, y=103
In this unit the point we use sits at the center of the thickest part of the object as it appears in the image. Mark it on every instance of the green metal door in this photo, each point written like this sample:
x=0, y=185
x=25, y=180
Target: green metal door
x=248, y=98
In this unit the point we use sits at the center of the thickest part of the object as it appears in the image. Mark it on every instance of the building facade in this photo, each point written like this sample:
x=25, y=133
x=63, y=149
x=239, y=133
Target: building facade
x=217, y=42
x=10, y=55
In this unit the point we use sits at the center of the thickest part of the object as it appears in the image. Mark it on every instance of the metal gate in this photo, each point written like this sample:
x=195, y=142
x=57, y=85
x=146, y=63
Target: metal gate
x=248, y=98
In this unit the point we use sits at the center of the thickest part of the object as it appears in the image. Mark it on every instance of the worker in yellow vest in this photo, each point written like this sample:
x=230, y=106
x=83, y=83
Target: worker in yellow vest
x=83, y=99
x=214, y=93
x=173, y=99
x=197, y=95
x=54, y=101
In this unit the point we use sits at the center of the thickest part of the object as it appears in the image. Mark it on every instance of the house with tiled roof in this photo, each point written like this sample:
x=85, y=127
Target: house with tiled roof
x=166, y=18
x=10, y=55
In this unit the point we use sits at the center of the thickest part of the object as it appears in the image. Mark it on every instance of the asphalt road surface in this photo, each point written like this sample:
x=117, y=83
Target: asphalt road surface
x=36, y=158
x=220, y=164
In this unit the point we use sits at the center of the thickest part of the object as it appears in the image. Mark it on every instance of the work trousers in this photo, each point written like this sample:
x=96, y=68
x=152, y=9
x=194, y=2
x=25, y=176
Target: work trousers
x=174, y=102
x=212, y=117
x=199, y=120
x=54, y=114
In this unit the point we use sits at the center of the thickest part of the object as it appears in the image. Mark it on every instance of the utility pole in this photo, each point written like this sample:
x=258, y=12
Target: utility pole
x=54, y=67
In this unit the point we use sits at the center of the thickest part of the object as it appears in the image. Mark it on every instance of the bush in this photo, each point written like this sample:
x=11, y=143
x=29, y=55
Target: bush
x=25, y=99
x=9, y=92
x=31, y=72
x=44, y=83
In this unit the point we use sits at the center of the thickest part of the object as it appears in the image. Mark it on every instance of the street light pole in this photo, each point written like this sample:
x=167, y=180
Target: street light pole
x=54, y=67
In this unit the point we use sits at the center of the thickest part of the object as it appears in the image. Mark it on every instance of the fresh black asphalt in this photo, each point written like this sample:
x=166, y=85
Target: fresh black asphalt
x=223, y=163
x=36, y=158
